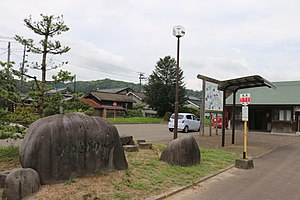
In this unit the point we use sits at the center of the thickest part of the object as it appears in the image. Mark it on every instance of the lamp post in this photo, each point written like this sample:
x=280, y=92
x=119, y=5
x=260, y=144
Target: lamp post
x=178, y=31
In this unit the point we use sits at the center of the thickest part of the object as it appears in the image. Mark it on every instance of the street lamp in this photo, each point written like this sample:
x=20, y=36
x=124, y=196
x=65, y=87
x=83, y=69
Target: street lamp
x=178, y=31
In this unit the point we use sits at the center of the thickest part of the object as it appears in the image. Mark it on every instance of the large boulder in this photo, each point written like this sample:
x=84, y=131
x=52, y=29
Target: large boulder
x=59, y=147
x=183, y=151
x=20, y=183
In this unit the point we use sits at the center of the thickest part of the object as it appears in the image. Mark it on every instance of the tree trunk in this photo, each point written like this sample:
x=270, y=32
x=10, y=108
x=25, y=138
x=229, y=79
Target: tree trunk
x=43, y=68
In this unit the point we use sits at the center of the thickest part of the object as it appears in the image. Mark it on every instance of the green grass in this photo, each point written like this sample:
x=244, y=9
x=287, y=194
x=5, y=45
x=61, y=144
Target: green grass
x=206, y=121
x=147, y=175
x=9, y=158
x=136, y=120
x=9, y=152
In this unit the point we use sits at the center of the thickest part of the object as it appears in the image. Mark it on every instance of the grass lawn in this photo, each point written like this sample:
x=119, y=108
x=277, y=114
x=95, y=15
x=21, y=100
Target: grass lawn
x=146, y=175
x=144, y=120
x=135, y=120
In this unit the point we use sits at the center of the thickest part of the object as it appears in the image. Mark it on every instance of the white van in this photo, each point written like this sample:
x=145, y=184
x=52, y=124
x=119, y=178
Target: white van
x=186, y=122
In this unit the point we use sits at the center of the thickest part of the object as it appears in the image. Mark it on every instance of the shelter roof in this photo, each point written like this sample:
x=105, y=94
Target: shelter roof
x=286, y=93
x=244, y=82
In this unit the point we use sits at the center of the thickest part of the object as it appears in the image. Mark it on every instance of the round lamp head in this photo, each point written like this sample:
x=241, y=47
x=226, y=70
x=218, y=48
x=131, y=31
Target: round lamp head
x=178, y=31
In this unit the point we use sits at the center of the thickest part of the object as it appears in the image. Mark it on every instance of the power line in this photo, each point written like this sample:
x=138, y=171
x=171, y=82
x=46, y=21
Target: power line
x=3, y=53
x=96, y=60
x=6, y=37
x=93, y=69
x=141, y=77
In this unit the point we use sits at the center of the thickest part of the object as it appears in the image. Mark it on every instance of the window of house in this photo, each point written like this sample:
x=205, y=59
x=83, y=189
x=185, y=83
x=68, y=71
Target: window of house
x=282, y=115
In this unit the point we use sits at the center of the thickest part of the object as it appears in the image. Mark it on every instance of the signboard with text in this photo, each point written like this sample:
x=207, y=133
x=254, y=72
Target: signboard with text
x=245, y=99
x=213, y=97
x=245, y=113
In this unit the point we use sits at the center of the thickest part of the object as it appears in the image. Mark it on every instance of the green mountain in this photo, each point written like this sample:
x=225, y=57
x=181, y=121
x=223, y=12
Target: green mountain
x=87, y=86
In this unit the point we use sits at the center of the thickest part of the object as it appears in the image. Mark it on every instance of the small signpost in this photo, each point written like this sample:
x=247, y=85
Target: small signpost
x=115, y=105
x=245, y=100
x=245, y=163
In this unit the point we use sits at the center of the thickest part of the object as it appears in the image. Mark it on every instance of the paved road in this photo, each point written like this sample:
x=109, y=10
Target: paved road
x=276, y=176
x=156, y=133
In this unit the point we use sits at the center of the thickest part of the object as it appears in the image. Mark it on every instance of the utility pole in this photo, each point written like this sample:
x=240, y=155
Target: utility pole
x=141, y=76
x=22, y=68
x=8, y=59
x=75, y=83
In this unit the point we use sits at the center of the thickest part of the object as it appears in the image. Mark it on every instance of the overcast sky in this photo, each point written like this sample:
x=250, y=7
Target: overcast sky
x=117, y=39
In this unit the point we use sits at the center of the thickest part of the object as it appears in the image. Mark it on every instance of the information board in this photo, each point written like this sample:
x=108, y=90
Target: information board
x=213, y=97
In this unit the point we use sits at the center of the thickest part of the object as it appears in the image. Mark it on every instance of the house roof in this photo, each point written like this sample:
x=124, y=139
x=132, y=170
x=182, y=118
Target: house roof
x=194, y=100
x=114, y=90
x=54, y=91
x=111, y=97
x=140, y=95
x=286, y=93
x=90, y=102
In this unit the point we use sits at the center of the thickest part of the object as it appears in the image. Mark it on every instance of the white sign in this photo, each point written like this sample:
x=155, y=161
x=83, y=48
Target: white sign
x=244, y=113
x=213, y=97
x=245, y=99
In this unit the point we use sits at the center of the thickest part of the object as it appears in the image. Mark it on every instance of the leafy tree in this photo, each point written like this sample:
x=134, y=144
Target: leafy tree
x=63, y=76
x=47, y=28
x=160, y=90
x=8, y=98
x=55, y=101
x=8, y=95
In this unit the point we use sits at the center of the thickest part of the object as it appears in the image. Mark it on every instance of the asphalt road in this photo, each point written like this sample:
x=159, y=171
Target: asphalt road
x=156, y=133
x=276, y=176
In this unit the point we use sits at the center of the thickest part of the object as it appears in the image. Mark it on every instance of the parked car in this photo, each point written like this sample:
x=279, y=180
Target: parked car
x=186, y=122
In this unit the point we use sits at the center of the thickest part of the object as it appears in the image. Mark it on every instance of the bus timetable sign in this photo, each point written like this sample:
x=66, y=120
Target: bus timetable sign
x=245, y=99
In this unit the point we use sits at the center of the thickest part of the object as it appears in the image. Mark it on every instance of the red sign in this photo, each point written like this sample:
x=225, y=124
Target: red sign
x=115, y=104
x=245, y=99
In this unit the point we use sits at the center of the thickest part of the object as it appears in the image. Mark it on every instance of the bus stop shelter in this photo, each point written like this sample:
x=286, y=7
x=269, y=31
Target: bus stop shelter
x=231, y=86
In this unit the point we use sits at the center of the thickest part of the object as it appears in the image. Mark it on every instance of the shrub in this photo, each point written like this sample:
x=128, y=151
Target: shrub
x=134, y=113
x=167, y=116
x=192, y=110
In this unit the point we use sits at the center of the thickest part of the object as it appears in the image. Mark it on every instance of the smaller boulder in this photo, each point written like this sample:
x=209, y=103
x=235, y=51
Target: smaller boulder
x=3, y=176
x=20, y=183
x=140, y=141
x=127, y=140
x=144, y=145
x=183, y=151
x=130, y=148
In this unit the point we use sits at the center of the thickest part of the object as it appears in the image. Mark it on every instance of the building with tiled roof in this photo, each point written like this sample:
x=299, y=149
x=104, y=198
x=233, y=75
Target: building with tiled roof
x=108, y=104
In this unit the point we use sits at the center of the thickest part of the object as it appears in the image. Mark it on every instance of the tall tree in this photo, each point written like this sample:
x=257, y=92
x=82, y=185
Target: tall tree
x=8, y=94
x=160, y=90
x=47, y=28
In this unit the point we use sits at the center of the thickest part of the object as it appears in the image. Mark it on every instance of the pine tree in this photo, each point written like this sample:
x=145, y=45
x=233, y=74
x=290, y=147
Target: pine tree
x=160, y=90
x=47, y=28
